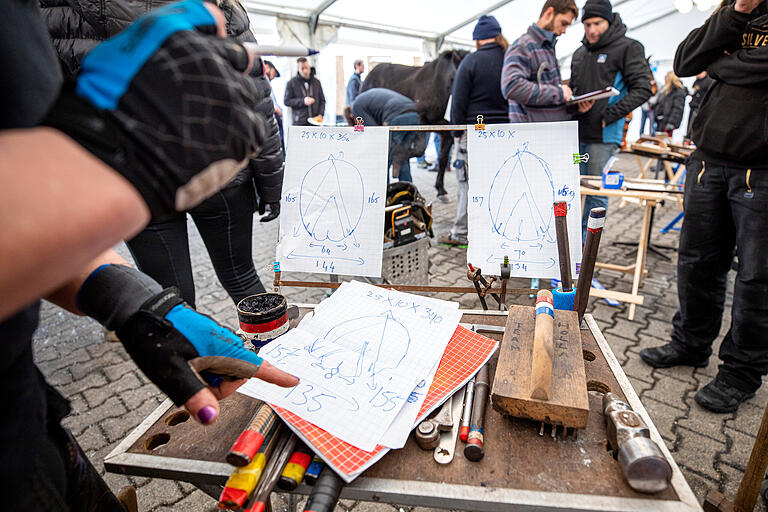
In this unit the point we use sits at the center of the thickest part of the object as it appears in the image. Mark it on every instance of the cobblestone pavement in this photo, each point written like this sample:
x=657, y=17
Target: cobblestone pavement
x=110, y=396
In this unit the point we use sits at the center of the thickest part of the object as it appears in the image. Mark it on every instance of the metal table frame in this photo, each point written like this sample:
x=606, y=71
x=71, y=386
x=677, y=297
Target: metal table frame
x=209, y=476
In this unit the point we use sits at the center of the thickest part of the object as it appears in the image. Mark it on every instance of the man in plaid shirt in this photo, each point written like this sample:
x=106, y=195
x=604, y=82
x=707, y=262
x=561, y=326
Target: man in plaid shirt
x=530, y=78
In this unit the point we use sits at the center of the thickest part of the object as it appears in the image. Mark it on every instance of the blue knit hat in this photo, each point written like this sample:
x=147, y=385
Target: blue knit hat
x=487, y=27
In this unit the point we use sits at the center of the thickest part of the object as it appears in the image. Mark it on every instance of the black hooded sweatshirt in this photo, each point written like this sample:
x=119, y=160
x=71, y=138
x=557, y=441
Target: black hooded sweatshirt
x=731, y=127
x=614, y=60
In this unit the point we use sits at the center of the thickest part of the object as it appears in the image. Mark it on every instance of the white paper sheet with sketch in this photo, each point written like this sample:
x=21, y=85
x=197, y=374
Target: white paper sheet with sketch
x=359, y=358
x=332, y=207
x=516, y=173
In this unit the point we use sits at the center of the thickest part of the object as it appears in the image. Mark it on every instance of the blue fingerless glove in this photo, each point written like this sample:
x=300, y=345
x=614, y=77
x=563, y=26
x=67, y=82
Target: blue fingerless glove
x=170, y=342
x=166, y=104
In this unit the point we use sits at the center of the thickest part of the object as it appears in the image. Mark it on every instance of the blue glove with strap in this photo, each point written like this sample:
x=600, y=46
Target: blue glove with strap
x=166, y=104
x=169, y=342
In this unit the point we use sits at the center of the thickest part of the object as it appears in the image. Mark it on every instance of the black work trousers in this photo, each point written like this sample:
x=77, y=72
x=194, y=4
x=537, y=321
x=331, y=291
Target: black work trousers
x=225, y=223
x=726, y=211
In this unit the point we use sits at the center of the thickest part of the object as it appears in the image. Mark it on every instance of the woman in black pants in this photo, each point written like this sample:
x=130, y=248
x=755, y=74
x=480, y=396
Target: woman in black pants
x=225, y=220
x=225, y=223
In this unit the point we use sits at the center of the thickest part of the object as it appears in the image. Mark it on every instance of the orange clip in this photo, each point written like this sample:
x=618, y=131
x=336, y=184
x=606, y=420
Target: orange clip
x=480, y=125
x=359, y=124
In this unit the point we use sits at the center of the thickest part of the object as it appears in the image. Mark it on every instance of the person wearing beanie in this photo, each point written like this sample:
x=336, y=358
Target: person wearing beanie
x=486, y=28
x=606, y=58
x=475, y=92
x=726, y=206
x=598, y=9
x=530, y=78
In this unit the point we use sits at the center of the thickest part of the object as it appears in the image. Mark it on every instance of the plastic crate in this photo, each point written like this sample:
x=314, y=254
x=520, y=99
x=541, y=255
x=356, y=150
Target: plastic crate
x=407, y=264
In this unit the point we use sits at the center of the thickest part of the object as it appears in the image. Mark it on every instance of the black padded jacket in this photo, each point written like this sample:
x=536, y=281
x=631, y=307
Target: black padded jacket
x=76, y=26
x=669, y=108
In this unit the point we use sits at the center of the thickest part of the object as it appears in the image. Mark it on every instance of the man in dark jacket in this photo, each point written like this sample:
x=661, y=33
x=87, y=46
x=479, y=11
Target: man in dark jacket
x=355, y=82
x=475, y=92
x=726, y=201
x=606, y=58
x=385, y=107
x=304, y=94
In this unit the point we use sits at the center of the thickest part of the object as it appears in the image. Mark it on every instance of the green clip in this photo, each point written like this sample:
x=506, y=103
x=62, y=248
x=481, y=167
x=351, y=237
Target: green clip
x=576, y=158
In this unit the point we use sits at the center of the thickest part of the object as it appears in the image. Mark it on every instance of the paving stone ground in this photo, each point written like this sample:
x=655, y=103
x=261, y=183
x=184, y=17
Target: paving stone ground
x=110, y=396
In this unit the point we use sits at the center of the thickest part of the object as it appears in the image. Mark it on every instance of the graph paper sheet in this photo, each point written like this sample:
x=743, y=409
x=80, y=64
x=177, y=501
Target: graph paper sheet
x=516, y=173
x=332, y=207
x=359, y=359
x=465, y=354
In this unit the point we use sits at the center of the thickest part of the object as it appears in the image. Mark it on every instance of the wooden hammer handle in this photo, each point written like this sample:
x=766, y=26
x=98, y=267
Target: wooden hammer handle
x=543, y=347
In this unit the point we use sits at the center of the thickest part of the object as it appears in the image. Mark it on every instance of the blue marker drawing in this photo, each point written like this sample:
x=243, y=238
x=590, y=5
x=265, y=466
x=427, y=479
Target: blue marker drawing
x=327, y=210
x=356, y=348
x=292, y=255
x=519, y=211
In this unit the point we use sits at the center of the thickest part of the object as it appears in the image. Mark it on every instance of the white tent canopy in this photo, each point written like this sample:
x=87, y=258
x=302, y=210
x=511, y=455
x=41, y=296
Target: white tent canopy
x=411, y=32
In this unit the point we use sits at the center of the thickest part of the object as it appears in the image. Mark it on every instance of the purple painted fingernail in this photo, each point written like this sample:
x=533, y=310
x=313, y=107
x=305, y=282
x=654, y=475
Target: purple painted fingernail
x=207, y=414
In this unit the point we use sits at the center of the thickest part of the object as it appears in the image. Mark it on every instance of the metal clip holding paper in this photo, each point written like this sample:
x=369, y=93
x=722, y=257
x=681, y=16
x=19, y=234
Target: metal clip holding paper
x=578, y=159
x=480, y=125
x=359, y=124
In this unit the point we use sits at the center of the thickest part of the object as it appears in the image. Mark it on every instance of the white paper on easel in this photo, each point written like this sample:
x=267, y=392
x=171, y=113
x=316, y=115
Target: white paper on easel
x=332, y=207
x=516, y=173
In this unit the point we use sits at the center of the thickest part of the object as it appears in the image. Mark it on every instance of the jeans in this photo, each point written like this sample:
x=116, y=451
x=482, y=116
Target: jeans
x=722, y=213
x=436, y=140
x=599, y=154
x=399, y=144
x=647, y=115
x=460, y=228
x=225, y=222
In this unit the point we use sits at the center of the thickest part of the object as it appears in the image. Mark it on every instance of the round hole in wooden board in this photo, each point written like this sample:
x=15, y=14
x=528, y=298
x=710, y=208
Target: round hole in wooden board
x=588, y=356
x=598, y=387
x=177, y=418
x=157, y=440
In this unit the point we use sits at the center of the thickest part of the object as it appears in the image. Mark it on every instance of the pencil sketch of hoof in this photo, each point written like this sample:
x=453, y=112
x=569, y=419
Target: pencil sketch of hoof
x=331, y=200
x=520, y=199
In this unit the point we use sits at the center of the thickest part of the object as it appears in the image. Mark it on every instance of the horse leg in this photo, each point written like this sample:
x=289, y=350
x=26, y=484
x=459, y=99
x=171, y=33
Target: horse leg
x=446, y=142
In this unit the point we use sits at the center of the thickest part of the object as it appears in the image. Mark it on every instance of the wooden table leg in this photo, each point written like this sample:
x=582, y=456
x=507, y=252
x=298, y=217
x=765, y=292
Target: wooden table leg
x=643, y=166
x=642, y=248
x=749, y=489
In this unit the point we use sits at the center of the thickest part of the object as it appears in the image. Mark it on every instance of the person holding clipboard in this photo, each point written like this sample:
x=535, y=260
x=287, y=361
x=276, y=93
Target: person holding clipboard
x=607, y=58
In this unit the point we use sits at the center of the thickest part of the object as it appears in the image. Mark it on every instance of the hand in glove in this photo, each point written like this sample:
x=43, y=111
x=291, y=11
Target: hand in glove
x=166, y=103
x=170, y=342
x=274, y=211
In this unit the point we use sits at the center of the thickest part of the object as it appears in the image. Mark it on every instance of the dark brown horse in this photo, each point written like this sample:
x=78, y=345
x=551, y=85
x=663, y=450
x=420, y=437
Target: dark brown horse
x=429, y=86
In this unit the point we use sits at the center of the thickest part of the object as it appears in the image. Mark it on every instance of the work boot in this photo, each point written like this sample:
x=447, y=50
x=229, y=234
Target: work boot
x=667, y=356
x=452, y=241
x=719, y=396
